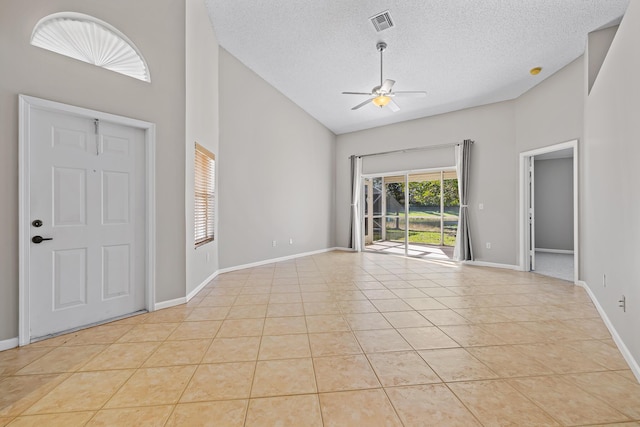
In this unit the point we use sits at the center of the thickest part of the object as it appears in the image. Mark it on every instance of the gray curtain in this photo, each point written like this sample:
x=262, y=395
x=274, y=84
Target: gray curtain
x=355, y=237
x=463, y=250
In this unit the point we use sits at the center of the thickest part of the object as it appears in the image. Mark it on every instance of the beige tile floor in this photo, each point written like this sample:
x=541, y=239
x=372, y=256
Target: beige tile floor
x=337, y=339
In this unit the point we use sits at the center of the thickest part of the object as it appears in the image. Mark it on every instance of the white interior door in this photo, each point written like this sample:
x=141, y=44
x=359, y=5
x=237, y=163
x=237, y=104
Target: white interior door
x=86, y=194
x=532, y=215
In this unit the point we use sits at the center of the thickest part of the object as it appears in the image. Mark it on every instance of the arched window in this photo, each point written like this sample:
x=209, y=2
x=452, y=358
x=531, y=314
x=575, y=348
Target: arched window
x=91, y=40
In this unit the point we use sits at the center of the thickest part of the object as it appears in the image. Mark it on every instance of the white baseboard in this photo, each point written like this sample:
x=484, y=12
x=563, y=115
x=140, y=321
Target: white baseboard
x=493, y=265
x=8, y=344
x=273, y=260
x=204, y=283
x=633, y=363
x=555, y=251
x=170, y=303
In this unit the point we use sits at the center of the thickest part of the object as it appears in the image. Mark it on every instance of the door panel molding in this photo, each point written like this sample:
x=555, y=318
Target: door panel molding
x=26, y=104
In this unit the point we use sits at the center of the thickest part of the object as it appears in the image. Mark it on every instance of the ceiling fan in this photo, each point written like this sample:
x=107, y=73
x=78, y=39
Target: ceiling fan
x=382, y=95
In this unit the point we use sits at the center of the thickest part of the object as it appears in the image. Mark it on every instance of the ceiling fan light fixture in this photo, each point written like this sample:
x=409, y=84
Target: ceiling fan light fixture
x=381, y=100
x=381, y=95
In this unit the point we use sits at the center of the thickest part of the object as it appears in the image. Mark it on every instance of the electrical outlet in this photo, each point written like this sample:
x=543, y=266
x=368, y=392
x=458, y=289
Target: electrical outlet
x=480, y=206
x=623, y=303
x=274, y=243
x=207, y=257
x=488, y=245
x=604, y=280
x=291, y=240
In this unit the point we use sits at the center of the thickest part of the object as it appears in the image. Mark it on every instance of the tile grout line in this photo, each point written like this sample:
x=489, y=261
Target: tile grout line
x=135, y=370
x=69, y=374
x=313, y=365
x=255, y=366
x=480, y=325
x=382, y=387
x=175, y=406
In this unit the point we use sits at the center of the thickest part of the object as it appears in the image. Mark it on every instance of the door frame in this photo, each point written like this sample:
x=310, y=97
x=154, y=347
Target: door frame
x=531, y=215
x=26, y=103
x=406, y=174
x=524, y=208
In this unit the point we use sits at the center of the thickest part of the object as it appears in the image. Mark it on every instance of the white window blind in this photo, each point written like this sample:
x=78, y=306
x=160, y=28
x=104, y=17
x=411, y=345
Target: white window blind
x=204, y=188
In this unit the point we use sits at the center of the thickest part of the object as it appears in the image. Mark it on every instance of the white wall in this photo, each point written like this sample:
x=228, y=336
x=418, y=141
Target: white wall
x=611, y=204
x=202, y=126
x=276, y=172
x=554, y=204
x=493, y=169
x=158, y=29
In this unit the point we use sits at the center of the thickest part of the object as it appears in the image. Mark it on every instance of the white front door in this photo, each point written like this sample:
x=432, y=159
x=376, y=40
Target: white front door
x=87, y=194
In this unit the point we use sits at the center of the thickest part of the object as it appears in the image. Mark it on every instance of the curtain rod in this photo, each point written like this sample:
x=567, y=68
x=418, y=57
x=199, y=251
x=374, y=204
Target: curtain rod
x=408, y=150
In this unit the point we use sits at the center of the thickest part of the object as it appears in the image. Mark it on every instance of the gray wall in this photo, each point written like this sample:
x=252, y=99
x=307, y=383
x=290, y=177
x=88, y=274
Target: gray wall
x=554, y=204
x=202, y=126
x=597, y=48
x=158, y=29
x=553, y=111
x=283, y=175
x=276, y=172
x=611, y=154
x=493, y=168
x=550, y=113
x=413, y=160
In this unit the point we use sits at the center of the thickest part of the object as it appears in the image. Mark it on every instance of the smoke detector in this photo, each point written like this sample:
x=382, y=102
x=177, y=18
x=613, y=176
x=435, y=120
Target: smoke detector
x=382, y=21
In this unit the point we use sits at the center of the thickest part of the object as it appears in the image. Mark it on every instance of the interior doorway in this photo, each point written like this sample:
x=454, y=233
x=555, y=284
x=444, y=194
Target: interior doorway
x=549, y=211
x=412, y=213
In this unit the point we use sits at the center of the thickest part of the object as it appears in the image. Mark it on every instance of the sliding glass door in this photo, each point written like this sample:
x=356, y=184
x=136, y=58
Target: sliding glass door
x=373, y=200
x=450, y=208
x=395, y=229
x=414, y=214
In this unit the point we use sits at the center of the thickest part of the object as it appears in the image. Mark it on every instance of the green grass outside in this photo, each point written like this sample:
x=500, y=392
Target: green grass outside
x=423, y=237
x=423, y=224
x=449, y=213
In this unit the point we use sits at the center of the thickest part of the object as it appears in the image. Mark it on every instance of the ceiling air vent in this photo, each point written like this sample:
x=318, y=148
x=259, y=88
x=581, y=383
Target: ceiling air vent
x=382, y=21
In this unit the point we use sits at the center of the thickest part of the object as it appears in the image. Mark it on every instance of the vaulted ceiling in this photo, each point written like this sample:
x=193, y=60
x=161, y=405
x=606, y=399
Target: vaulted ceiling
x=463, y=53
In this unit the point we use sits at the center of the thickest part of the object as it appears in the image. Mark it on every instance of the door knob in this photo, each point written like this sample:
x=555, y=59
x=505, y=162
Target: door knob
x=40, y=239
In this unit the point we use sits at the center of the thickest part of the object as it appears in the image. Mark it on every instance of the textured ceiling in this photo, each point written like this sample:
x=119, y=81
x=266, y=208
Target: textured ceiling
x=464, y=53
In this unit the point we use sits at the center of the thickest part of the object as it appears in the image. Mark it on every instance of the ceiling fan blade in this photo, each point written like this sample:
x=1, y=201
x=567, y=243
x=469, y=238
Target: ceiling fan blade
x=393, y=106
x=357, y=93
x=363, y=104
x=387, y=85
x=410, y=93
